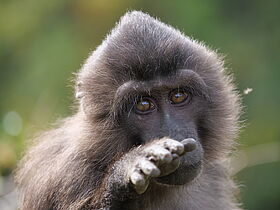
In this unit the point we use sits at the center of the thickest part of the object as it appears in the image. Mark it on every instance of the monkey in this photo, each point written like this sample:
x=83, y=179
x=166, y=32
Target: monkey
x=155, y=126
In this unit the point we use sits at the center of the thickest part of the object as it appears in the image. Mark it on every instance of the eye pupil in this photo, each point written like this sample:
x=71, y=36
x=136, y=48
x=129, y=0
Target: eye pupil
x=178, y=97
x=144, y=105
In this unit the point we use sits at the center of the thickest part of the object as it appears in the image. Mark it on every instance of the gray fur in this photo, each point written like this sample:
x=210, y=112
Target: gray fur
x=76, y=165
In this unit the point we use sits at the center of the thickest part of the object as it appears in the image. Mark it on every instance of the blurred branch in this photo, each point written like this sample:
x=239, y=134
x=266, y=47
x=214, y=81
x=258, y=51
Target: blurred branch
x=255, y=155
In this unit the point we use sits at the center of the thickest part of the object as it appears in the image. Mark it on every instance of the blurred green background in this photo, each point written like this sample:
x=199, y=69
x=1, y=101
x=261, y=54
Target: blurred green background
x=42, y=43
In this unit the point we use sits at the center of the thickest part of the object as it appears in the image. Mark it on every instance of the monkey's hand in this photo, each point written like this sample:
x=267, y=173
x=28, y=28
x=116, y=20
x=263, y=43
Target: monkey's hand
x=157, y=159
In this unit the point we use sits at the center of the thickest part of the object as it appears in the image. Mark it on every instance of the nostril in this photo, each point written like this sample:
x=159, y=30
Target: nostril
x=190, y=144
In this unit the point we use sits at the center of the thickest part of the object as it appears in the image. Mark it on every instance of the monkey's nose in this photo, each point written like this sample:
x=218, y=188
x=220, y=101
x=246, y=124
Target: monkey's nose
x=190, y=144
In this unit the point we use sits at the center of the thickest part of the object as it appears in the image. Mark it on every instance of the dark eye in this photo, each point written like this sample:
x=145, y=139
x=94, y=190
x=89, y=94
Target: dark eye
x=178, y=96
x=144, y=106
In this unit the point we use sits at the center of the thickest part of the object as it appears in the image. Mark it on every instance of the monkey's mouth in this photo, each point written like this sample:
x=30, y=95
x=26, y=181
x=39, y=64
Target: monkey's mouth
x=185, y=173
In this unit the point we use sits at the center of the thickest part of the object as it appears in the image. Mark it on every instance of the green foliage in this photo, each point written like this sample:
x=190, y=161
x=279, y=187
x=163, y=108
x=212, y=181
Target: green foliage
x=43, y=42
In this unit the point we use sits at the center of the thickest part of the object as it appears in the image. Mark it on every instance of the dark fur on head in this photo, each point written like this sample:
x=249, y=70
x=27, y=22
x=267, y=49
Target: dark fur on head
x=68, y=166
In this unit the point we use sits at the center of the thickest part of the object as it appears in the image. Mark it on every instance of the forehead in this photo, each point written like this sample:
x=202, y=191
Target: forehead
x=142, y=48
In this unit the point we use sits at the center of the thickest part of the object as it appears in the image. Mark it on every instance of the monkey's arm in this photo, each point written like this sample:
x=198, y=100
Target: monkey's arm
x=129, y=177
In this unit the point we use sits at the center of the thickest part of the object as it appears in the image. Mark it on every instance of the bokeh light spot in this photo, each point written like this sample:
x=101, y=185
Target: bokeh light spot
x=12, y=123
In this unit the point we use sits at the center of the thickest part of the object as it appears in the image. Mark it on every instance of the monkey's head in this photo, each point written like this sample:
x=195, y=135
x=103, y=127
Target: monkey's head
x=147, y=81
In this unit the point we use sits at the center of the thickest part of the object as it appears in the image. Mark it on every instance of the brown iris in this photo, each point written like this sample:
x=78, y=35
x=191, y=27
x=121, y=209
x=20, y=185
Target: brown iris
x=145, y=105
x=177, y=97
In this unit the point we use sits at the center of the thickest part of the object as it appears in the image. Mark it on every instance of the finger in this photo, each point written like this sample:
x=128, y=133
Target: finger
x=174, y=146
x=189, y=144
x=137, y=178
x=149, y=168
x=161, y=154
x=139, y=182
x=166, y=169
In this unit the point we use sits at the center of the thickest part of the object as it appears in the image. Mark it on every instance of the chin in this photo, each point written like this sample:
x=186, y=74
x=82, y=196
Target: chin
x=183, y=175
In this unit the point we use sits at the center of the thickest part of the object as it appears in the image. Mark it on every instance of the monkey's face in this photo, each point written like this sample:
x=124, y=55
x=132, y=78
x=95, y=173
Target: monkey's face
x=154, y=82
x=167, y=107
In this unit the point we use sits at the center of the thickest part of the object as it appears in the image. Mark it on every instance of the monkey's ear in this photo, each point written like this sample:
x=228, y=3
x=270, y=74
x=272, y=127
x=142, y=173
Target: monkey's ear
x=79, y=93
